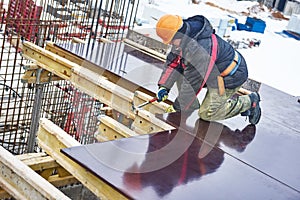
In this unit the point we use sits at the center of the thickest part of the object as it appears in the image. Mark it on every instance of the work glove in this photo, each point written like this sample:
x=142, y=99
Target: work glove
x=170, y=109
x=162, y=94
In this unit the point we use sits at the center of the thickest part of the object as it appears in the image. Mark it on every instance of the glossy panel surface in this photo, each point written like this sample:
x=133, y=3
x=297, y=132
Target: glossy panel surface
x=176, y=165
x=272, y=146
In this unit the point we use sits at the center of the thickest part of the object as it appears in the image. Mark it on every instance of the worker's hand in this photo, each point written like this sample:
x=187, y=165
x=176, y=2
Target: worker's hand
x=162, y=94
x=170, y=109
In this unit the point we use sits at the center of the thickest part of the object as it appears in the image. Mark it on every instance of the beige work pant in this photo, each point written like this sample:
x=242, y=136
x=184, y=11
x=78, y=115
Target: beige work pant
x=215, y=107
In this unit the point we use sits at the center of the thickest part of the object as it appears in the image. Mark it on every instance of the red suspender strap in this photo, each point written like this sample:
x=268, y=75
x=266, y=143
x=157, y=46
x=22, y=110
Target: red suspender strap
x=174, y=64
x=210, y=66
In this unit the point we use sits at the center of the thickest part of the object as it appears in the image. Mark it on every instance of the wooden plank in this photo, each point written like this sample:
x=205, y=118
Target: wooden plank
x=40, y=162
x=32, y=76
x=22, y=182
x=60, y=66
x=47, y=67
x=110, y=129
x=29, y=156
x=102, y=89
x=52, y=139
x=117, y=98
x=105, y=40
x=141, y=123
x=59, y=181
x=78, y=40
x=54, y=180
x=50, y=46
x=46, y=173
x=145, y=50
x=148, y=42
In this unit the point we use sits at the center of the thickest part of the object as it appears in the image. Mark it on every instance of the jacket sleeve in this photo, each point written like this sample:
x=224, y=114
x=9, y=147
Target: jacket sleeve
x=187, y=98
x=197, y=60
x=172, y=71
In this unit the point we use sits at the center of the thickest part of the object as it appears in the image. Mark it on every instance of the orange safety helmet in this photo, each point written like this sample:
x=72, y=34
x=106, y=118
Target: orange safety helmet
x=167, y=26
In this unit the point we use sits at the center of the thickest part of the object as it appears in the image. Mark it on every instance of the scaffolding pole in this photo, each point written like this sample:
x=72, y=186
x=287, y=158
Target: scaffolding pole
x=36, y=111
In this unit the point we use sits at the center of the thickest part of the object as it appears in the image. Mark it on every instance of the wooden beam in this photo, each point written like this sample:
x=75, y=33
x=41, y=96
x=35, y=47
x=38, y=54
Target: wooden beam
x=40, y=162
x=55, y=64
x=39, y=75
x=50, y=46
x=58, y=181
x=104, y=90
x=104, y=40
x=148, y=42
x=78, y=40
x=110, y=129
x=117, y=98
x=52, y=139
x=146, y=50
x=146, y=122
x=22, y=182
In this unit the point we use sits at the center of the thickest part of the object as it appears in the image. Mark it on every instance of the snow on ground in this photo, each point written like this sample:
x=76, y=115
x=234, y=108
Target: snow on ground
x=275, y=62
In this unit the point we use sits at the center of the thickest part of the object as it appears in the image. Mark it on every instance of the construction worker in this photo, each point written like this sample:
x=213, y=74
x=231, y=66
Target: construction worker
x=199, y=58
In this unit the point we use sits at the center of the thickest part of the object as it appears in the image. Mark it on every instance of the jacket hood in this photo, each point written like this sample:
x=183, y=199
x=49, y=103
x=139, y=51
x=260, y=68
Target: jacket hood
x=198, y=27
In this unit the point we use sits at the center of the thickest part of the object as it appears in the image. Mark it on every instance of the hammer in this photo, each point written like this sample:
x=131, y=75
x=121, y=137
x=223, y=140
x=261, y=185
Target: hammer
x=144, y=104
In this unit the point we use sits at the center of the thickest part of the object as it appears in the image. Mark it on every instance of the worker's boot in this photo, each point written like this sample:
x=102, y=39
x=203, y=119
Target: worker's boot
x=254, y=112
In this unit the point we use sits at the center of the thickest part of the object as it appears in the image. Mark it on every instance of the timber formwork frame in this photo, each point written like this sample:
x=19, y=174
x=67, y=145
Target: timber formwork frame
x=103, y=86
